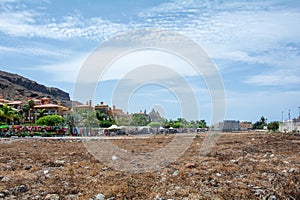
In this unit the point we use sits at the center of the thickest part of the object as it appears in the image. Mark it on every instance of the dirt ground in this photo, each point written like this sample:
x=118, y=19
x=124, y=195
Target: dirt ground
x=240, y=166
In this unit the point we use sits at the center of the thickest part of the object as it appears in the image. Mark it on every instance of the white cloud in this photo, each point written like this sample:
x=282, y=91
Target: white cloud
x=30, y=23
x=232, y=30
x=36, y=51
x=278, y=78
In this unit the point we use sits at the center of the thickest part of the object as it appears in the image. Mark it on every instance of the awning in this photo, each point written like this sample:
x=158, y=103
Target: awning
x=4, y=126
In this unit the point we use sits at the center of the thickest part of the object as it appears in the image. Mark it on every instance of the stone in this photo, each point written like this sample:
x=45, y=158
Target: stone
x=46, y=173
x=5, y=179
x=52, y=197
x=20, y=189
x=59, y=163
x=114, y=157
x=99, y=197
x=175, y=173
x=71, y=197
x=27, y=167
x=292, y=170
x=171, y=192
x=235, y=161
x=218, y=174
x=272, y=197
x=5, y=192
x=190, y=165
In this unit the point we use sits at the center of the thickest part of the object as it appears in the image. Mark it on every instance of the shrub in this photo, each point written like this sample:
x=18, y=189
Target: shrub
x=273, y=126
x=51, y=120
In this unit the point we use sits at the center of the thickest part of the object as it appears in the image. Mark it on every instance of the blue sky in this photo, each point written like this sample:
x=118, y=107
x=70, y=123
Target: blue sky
x=254, y=44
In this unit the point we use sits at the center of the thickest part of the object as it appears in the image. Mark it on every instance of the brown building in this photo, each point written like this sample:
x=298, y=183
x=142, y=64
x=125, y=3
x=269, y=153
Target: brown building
x=49, y=108
x=246, y=126
x=102, y=108
x=117, y=112
x=87, y=106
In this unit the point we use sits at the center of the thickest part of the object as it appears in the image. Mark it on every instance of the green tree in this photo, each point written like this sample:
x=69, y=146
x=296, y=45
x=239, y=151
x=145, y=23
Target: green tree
x=106, y=123
x=123, y=121
x=31, y=103
x=51, y=120
x=139, y=120
x=86, y=118
x=201, y=124
x=25, y=109
x=263, y=120
x=7, y=113
x=182, y=122
x=169, y=123
x=17, y=116
x=70, y=121
x=273, y=126
x=260, y=124
x=31, y=106
x=104, y=120
x=101, y=116
x=155, y=124
x=178, y=125
x=41, y=112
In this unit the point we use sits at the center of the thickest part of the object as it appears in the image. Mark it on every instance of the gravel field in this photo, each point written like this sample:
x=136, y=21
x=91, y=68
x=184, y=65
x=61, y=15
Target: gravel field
x=240, y=166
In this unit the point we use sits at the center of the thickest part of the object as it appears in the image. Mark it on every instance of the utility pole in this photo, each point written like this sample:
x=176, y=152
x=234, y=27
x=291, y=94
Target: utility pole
x=289, y=122
x=281, y=116
x=299, y=113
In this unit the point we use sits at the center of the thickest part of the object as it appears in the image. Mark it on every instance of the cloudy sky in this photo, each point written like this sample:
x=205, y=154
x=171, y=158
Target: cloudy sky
x=255, y=46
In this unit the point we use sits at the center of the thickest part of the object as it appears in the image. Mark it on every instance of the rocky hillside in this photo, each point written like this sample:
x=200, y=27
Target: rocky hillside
x=16, y=87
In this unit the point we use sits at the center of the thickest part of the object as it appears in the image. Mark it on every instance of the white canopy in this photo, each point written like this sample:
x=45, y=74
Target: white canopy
x=114, y=127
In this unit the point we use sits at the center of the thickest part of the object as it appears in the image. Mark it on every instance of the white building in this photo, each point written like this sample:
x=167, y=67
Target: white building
x=292, y=125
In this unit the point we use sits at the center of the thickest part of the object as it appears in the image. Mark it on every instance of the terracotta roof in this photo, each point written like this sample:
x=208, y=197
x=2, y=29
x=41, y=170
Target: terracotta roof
x=14, y=102
x=83, y=106
x=50, y=105
x=4, y=100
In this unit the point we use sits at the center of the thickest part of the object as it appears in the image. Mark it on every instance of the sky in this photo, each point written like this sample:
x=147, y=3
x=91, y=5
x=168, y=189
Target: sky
x=255, y=46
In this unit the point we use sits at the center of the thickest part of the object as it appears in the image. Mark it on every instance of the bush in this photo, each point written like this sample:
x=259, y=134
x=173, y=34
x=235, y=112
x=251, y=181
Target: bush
x=51, y=120
x=106, y=123
x=155, y=124
x=273, y=126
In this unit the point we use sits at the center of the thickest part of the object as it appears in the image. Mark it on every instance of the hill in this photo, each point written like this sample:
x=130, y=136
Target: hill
x=16, y=87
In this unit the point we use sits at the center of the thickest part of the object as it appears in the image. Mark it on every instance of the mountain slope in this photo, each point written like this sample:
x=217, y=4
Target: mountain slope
x=16, y=87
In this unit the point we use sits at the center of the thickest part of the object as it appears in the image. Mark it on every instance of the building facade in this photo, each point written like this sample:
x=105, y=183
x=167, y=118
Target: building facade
x=292, y=125
x=229, y=125
x=246, y=126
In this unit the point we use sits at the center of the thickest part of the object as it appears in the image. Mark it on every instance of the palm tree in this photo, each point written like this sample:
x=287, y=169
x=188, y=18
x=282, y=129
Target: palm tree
x=1, y=113
x=41, y=112
x=25, y=109
x=7, y=112
x=31, y=105
x=17, y=116
x=263, y=120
